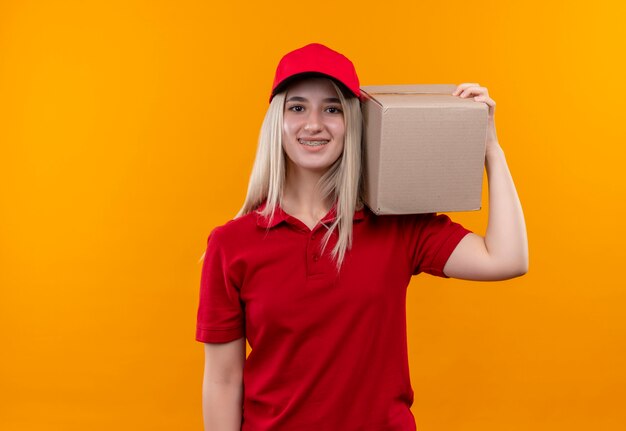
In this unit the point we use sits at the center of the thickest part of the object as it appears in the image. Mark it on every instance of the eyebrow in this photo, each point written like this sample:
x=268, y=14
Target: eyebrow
x=303, y=99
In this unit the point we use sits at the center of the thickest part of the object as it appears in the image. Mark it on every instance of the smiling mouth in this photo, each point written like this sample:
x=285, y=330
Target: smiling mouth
x=313, y=143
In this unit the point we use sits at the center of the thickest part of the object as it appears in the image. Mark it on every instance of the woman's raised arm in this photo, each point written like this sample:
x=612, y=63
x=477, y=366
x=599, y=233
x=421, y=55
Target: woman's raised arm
x=503, y=252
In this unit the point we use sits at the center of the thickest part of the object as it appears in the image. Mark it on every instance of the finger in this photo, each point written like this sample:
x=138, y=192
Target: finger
x=488, y=100
x=463, y=86
x=473, y=90
x=467, y=84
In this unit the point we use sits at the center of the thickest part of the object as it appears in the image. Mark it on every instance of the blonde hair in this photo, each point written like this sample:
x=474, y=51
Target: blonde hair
x=342, y=182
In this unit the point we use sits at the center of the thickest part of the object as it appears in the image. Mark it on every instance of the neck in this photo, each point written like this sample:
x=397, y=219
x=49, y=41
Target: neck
x=300, y=195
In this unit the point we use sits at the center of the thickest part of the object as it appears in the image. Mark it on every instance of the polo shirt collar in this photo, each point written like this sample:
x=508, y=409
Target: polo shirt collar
x=281, y=216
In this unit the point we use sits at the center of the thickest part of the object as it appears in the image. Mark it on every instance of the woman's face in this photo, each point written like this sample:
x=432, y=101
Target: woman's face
x=313, y=125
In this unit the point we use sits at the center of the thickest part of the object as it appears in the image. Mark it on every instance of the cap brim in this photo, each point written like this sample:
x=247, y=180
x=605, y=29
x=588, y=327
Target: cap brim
x=288, y=81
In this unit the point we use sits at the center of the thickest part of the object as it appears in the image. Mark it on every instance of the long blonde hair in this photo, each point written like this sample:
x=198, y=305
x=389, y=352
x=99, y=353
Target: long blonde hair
x=342, y=182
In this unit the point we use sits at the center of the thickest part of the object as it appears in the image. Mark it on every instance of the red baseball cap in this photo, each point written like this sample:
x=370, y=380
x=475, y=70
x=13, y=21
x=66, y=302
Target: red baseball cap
x=316, y=59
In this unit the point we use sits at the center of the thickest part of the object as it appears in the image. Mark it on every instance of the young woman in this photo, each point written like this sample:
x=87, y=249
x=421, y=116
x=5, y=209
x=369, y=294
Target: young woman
x=315, y=281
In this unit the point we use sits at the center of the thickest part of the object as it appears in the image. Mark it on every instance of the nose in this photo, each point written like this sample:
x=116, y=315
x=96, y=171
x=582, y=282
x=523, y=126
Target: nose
x=313, y=122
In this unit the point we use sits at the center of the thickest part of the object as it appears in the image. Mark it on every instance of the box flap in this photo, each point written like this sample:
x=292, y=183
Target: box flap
x=410, y=89
x=421, y=95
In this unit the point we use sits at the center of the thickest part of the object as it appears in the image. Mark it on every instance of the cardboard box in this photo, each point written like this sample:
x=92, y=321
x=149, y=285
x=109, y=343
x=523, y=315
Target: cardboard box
x=424, y=149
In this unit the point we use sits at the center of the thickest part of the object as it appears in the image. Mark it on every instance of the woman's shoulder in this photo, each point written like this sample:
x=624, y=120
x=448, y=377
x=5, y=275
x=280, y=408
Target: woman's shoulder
x=237, y=227
x=394, y=218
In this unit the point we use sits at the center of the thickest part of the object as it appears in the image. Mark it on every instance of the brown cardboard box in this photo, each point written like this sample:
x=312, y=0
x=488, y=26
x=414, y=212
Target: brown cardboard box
x=424, y=149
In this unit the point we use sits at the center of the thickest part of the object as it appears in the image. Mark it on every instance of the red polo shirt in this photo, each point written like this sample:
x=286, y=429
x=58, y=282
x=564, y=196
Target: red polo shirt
x=329, y=351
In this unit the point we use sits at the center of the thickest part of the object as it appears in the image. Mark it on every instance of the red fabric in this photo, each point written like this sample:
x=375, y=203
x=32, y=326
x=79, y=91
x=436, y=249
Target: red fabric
x=317, y=58
x=329, y=352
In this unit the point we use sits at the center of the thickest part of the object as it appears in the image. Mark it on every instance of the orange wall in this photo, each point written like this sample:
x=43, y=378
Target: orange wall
x=128, y=129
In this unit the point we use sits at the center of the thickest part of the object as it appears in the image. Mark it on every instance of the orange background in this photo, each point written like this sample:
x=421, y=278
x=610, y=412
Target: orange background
x=128, y=130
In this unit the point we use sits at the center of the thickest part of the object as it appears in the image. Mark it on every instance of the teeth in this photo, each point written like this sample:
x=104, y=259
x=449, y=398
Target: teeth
x=312, y=143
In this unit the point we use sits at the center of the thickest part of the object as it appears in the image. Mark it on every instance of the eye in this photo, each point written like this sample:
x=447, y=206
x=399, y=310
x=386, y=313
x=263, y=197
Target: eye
x=296, y=108
x=334, y=110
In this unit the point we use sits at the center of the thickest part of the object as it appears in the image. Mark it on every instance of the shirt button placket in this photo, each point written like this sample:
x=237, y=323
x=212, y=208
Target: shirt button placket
x=313, y=253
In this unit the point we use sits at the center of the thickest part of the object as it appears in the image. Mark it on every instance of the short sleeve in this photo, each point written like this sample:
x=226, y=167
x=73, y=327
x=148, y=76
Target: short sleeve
x=220, y=313
x=432, y=239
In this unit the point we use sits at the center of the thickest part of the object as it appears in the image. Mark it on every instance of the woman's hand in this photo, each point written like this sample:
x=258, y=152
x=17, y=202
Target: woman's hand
x=481, y=94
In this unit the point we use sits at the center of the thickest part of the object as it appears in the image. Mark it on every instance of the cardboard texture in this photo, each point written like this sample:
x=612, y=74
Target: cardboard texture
x=424, y=149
